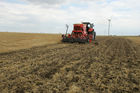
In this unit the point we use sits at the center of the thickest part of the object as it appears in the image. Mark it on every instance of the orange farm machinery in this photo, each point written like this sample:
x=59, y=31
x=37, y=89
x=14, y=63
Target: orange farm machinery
x=81, y=33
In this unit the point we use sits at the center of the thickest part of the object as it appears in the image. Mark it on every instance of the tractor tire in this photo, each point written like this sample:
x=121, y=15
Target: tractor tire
x=94, y=35
x=88, y=40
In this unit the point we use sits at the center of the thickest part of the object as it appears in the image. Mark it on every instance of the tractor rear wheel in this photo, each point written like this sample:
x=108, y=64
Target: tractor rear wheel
x=94, y=35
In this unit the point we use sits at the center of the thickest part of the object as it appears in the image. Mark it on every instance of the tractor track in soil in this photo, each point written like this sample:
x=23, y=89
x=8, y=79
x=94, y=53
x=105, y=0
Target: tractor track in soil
x=111, y=66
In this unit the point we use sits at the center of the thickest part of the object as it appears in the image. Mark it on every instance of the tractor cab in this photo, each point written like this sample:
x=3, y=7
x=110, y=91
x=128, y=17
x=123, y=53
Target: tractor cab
x=89, y=26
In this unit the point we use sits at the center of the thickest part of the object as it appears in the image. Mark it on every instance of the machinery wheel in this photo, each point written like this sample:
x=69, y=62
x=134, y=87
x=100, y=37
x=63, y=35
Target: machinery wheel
x=94, y=35
x=71, y=40
x=88, y=40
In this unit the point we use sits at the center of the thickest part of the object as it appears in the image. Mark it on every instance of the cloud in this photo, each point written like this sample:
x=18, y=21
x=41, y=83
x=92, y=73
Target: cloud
x=50, y=16
x=46, y=1
x=58, y=1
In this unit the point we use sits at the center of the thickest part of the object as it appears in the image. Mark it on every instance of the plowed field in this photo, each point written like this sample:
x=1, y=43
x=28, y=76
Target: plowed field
x=111, y=66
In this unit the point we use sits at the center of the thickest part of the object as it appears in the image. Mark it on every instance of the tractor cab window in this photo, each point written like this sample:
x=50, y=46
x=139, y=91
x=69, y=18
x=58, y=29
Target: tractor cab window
x=90, y=25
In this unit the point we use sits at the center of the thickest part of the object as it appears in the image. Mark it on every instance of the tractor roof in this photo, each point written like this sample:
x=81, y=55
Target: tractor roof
x=85, y=22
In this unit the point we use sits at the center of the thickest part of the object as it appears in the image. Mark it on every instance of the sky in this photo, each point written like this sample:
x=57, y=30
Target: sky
x=51, y=16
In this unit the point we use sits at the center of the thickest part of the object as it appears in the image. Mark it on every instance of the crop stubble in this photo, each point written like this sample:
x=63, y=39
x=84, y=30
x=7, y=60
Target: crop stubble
x=111, y=66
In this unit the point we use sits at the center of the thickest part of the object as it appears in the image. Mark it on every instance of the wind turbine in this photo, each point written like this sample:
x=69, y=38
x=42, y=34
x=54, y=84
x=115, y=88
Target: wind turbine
x=109, y=22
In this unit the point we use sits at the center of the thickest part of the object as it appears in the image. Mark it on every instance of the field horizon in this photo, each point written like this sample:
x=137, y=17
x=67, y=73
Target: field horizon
x=12, y=41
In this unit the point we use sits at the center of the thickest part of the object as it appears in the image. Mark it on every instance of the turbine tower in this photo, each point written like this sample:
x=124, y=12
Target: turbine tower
x=109, y=22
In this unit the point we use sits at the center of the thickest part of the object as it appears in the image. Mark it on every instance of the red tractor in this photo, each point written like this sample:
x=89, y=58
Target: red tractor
x=81, y=33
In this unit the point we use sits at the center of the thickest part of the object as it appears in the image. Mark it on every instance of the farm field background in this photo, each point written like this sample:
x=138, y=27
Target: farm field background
x=16, y=41
x=46, y=65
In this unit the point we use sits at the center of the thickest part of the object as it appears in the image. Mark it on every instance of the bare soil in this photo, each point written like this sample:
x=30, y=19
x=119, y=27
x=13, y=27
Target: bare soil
x=111, y=66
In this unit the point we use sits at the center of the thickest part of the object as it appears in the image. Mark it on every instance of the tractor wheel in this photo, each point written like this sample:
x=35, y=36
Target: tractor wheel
x=94, y=35
x=88, y=40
